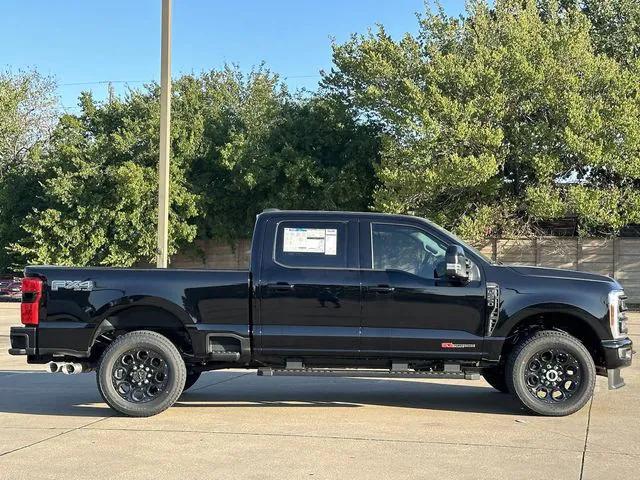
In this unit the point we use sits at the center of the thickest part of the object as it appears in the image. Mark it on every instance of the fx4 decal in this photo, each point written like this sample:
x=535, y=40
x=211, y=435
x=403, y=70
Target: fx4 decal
x=78, y=285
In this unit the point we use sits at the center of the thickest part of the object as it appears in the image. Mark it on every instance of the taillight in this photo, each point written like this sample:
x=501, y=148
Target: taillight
x=31, y=295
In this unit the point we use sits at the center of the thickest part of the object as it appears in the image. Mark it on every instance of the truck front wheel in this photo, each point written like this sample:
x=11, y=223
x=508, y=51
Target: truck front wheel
x=551, y=373
x=141, y=374
x=495, y=377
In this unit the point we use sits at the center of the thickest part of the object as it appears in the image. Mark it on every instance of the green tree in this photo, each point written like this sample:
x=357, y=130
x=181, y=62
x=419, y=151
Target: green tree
x=498, y=119
x=28, y=112
x=263, y=147
x=99, y=195
x=615, y=25
x=240, y=143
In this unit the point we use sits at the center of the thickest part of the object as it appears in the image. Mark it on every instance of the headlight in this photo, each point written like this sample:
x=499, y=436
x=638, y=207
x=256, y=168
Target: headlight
x=617, y=315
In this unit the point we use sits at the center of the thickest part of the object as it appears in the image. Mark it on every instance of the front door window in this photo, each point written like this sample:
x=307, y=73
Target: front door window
x=405, y=248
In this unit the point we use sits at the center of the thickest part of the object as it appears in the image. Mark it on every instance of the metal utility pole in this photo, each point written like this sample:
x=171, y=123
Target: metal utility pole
x=165, y=135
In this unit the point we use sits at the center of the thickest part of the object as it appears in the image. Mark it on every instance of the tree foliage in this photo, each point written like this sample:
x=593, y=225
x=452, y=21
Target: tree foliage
x=264, y=148
x=514, y=114
x=99, y=191
x=240, y=143
x=499, y=118
x=28, y=112
x=615, y=25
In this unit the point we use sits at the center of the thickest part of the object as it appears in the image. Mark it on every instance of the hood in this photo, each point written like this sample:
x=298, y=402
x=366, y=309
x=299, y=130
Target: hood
x=544, y=272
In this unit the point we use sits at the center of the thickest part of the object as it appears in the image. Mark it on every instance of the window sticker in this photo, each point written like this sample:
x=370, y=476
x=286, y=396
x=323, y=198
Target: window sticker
x=331, y=241
x=311, y=240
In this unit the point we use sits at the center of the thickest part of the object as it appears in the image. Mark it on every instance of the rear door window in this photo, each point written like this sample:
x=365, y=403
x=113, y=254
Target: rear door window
x=311, y=244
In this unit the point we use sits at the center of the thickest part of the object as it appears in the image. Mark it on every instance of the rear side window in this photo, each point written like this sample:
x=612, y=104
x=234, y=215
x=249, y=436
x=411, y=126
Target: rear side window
x=311, y=244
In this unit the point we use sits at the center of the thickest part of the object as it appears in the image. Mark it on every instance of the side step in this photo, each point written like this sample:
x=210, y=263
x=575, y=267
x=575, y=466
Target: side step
x=355, y=372
x=223, y=356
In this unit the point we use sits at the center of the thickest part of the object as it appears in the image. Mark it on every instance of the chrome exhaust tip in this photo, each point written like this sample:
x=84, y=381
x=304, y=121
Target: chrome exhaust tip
x=53, y=367
x=71, y=368
x=75, y=368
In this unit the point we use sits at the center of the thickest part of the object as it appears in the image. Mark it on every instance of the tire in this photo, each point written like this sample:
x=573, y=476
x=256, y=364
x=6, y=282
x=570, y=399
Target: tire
x=496, y=378
x=192, y=378
x=141, y=374
x=530, y=373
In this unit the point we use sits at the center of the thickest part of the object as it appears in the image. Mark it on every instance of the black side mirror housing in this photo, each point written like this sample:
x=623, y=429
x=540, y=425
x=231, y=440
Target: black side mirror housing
x=455, y=267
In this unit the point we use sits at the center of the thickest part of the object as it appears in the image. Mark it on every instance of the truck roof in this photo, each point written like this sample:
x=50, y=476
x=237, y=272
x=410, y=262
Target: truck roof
x=268, y=212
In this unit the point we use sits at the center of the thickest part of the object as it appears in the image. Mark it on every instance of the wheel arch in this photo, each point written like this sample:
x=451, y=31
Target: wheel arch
x=568, y=319
x=160, y=317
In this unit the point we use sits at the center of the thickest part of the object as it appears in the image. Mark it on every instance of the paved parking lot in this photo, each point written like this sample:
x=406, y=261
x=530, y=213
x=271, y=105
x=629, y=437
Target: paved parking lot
x=234, y=424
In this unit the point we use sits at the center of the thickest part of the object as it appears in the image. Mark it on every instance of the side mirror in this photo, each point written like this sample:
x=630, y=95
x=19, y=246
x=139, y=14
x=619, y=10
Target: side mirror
x=455, y=266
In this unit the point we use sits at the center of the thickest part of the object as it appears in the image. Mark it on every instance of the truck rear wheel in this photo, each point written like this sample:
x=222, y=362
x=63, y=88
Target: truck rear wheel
x=496, y=378
x=141, y=374
x=551, y=373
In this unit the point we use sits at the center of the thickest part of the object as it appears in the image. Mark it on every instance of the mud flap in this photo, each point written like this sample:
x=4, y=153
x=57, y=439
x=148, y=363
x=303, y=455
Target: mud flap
x=615, y=380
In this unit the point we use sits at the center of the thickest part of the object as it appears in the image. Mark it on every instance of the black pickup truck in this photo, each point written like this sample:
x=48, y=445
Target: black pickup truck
x=333, y=294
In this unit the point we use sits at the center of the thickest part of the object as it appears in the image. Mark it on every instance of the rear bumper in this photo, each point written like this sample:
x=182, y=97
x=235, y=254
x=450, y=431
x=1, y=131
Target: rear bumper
x=23, y=341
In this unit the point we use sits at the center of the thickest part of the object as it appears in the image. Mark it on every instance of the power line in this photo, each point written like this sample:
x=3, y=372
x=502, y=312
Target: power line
x=105, y=82
x=102, y=82
x=302, y=76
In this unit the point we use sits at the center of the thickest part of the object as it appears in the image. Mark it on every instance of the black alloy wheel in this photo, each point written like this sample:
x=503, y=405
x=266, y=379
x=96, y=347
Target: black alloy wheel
x=141, y=374
x=551, y=373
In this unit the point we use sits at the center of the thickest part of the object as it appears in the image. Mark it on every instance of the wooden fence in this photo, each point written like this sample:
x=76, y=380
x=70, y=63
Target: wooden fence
x=616, y=257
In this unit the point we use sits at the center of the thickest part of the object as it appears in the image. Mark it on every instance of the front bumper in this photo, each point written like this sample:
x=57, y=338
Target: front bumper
x=617, y=354
x=23, y=341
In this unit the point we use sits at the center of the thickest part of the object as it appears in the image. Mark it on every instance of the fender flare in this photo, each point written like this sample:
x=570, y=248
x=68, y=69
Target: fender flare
x=522, y=315
x=103, y=315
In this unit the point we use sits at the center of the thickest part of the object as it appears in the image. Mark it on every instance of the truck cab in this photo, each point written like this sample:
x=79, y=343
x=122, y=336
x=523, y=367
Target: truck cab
x=332, y=293
x=365, y=287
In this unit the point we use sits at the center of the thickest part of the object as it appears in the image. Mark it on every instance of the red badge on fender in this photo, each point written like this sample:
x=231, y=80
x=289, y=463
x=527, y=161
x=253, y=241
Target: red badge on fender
x=457, y=345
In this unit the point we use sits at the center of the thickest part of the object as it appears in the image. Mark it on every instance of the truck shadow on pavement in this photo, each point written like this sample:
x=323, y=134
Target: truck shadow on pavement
x=351, y=392
x=37, y=393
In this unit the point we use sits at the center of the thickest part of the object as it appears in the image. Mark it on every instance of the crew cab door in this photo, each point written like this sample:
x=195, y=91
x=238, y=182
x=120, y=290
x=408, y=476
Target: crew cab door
x=407, y=312
x=308, y=288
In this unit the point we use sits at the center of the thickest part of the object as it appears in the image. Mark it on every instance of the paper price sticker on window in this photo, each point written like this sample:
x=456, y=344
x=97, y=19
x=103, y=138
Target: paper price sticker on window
x=310, y=240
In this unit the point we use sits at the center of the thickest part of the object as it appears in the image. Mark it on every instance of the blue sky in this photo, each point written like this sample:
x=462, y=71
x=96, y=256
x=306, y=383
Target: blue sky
x=80, y=42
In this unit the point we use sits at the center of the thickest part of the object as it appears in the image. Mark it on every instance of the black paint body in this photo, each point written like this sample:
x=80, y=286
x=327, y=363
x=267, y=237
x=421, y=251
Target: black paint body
x=324, y=316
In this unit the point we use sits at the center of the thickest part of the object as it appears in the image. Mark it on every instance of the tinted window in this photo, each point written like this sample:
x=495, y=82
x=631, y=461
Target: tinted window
x=406, y=248
x=312, y=244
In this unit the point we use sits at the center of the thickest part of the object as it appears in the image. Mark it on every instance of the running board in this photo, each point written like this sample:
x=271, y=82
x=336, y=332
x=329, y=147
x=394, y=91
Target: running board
x=353, y=372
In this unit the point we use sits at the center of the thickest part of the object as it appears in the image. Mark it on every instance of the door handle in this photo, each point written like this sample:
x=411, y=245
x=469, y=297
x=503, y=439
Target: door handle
x=281, y=287
x=381, y=289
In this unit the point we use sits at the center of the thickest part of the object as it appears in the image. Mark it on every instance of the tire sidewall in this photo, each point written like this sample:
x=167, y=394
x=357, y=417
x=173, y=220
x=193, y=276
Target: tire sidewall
x=539, y=343
x=151, y=341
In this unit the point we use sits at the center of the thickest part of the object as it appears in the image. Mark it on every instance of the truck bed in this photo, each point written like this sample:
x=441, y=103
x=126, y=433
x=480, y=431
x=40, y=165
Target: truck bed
x=80, y=302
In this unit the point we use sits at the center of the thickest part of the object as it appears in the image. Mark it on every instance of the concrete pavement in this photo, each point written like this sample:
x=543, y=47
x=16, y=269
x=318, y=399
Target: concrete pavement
x=234, y=424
